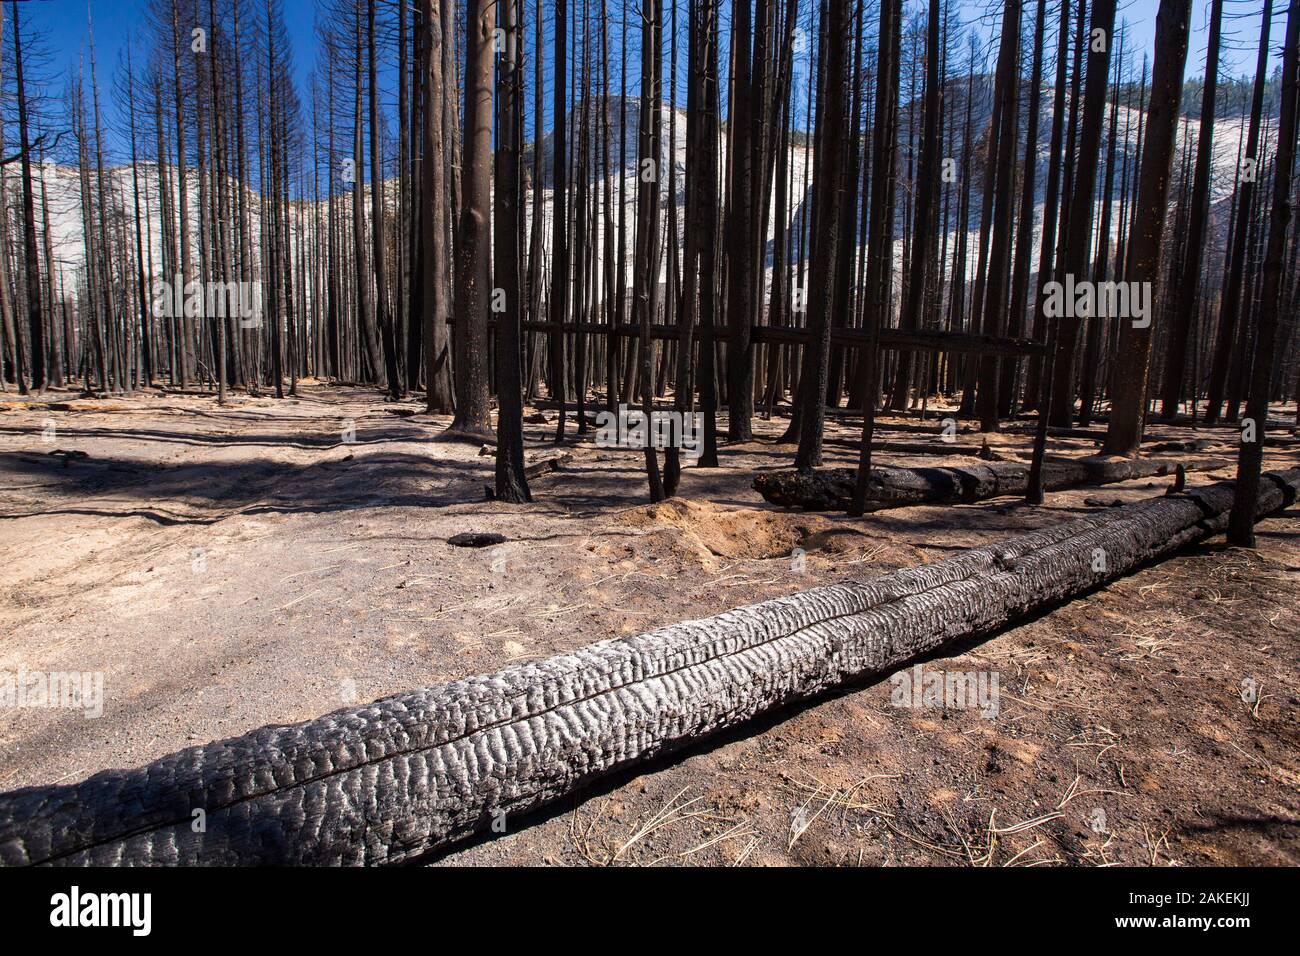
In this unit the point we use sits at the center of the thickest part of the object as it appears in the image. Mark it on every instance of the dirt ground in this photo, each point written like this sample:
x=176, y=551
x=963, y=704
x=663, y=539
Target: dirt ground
x=269, y=561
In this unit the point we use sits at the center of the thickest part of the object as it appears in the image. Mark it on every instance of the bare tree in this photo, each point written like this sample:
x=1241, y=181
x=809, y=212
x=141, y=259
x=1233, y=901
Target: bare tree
x=1077, y=253
x=649, y=166
x=511, y=482
x=35, y=322
x=473, y=246
x=1189, y=272
x=829, y=181
x=1247, y=175
x=434, y=251
x=1241, y=522
x=1128, y=409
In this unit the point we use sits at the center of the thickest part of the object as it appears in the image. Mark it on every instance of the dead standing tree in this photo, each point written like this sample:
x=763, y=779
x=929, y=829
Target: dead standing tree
x=1078, y=243
x=1247, y=174
x=559, y=293
x=1189, y=272
x=827, y=185
x=31, y=256
x=880, y=253
x=435, y=246
x=739, y=252
x=927, y=197
x=1021, y=259
x=1051, y=204
x=649, y=174
x=1002, y=153
x=473, y=245
x=1241, y=526
x=511, y=482
x=701, y=186
x=1128, y=408
x=392, y=375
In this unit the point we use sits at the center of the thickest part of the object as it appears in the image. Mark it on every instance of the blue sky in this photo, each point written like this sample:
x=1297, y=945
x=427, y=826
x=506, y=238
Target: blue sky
x=63, y=29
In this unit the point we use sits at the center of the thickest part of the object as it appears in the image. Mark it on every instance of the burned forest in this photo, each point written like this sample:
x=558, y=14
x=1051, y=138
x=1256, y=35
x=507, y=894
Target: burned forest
x=642, y=433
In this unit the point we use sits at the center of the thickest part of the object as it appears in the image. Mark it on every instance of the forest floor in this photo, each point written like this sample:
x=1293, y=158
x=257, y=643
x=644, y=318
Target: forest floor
x=226, y=568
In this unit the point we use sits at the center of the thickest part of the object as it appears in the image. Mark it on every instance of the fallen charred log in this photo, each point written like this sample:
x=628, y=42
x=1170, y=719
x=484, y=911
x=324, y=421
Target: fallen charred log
x=408, y=774
x=831, y=489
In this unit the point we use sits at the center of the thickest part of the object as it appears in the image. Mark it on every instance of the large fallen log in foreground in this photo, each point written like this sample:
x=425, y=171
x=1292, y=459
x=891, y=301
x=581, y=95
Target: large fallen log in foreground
x=831, y=489
x=390, y=781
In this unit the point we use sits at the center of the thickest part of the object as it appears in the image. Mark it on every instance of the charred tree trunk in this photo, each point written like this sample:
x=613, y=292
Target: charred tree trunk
x=646, y=279
x=1075, y=261
x=880, y=251
x=474, y=241
x=1247, y=173
x=926, y=191
x=1128, y=407
x=393, y=376
x=828, y=183
x=1241, y=525
x=1007, y=92
x=1008, y=380
x=31, y=255
x=511, y=482
x=1184, y=309
x=559, y=299
x=832, y=489
x=365, y=314
x=1051, y=202
x=435, y=254
x=739, y=262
